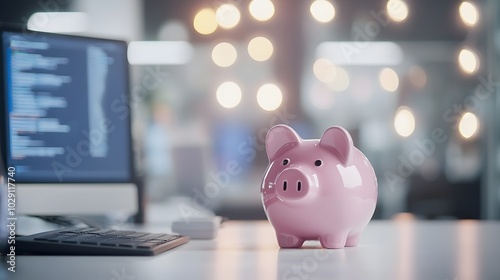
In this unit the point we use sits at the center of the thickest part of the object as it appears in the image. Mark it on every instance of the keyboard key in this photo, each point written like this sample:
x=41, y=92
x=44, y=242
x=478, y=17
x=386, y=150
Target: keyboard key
x=134, y=235
x=85, y=230
x=155, y=236
x=124, y=233
x=84, y=237
x=172, y=237
x=117, y=241
x=102, y=231
x=78, y=230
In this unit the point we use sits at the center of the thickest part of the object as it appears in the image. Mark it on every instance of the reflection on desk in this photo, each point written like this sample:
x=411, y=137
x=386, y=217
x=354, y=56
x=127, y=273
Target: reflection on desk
x=400, y=249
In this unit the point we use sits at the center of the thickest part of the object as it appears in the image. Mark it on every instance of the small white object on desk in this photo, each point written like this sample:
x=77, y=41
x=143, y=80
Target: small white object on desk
x=199, y=227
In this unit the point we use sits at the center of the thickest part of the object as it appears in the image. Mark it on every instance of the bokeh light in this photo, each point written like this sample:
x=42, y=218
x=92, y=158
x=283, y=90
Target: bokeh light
x=228, y=16
x=397, y=10
x=468, y=13
x=404, y=121
x=204, y=22
x=269, y=97
x=340, y=81
x=229, y=94
x=322, y=10
x=324, y=70
x=468, y=125
x=336, y=78
x=389, y=79
x=224, y=54
x=260, y=48
x=468, y=61
x=58, y=22
x=417, y=76
x=261, y=10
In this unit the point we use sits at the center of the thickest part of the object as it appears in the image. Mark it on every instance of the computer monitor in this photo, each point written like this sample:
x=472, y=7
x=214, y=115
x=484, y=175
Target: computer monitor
x=65, y=123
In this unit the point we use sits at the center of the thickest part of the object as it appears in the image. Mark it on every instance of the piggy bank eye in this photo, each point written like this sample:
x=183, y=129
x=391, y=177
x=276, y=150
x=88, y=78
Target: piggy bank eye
x=318, y=162
x=286, y=161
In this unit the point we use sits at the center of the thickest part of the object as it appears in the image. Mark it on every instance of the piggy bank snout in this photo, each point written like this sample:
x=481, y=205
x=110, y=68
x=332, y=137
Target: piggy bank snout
x=292, y=183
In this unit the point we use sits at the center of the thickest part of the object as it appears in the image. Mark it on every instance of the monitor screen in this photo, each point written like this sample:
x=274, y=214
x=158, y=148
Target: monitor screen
x=65, y=101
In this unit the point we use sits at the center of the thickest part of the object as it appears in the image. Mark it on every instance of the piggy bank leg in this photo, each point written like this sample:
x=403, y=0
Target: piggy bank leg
x=353, y=239
x=333, y=241
x=289, y=241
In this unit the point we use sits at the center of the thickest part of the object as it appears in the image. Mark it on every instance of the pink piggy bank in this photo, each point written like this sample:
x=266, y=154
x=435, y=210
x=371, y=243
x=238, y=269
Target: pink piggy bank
x=322, y=189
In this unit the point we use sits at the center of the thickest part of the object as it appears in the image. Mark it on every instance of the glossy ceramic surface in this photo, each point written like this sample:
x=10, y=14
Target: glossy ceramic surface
x=322, y=189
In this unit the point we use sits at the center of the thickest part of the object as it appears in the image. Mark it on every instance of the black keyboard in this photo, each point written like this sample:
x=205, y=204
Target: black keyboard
x=97, y=242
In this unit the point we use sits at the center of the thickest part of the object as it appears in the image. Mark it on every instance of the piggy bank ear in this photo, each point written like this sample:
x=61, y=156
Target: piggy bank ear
x=338, y=140
x=280, y=137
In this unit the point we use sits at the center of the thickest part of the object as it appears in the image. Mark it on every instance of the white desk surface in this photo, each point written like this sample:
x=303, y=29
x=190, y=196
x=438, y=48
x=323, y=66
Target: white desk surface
x=400, y=249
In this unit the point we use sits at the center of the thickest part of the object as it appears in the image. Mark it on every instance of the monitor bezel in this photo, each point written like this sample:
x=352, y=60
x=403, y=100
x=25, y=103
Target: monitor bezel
x=133, y=176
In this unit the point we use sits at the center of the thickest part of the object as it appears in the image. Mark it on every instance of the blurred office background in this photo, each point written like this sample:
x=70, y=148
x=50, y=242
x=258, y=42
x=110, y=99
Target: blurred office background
x=415, y=82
